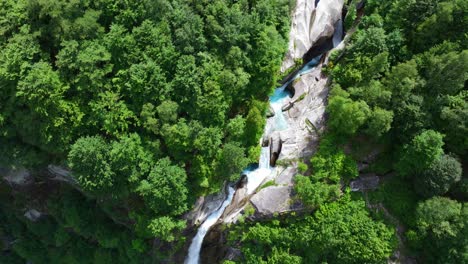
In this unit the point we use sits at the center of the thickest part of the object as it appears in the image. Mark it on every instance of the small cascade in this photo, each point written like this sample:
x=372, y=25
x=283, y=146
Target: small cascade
x=194, y=250
x=255, y=177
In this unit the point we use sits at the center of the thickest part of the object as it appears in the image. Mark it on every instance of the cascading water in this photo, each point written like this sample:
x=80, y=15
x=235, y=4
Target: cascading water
x=194, y=250
x=254, y=176
x=338, y=34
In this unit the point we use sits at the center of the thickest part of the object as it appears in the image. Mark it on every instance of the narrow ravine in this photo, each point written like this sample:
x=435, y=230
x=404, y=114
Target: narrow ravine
x=255, y=177
x=194, y=250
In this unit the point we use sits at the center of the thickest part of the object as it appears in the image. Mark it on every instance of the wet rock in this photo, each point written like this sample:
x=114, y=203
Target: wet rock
x=204, y=206
x=290, y=89
x=19, y=177
x=311, y=25
x=213, y=247
x=33, y=215
x=239, y=200
x=265, y=141
x=275, y=148
x=270, y=112
x=242, y=181
x=273, y=199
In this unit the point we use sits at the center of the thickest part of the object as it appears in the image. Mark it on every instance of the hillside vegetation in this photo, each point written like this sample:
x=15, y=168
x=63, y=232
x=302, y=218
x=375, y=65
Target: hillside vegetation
x=398, y=89
x=149, y=103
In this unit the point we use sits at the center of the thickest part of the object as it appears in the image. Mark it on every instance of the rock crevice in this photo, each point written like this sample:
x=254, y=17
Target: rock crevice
x=312, y=24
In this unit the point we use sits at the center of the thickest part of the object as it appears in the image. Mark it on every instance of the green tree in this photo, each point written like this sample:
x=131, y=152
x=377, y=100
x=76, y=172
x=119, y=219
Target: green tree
x=111, y=114
x=420, y=154
x=235, y=128
x=165, y=189
x=40, y=96
x=441, y=227
x=164, y=227
x=84, y=65
x=313, y=194
x=89, y=160
x=439, y=177
x=330, y=232
x=346, y=115
x=129, y=159
x=167, y=112
x=380, y=122
x=178, y=139
x=454, y=122
x=232, y=161
x=253, y=126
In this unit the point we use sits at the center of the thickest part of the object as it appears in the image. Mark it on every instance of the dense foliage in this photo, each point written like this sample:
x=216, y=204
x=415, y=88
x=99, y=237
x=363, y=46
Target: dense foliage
x=149, y=103
x=401, y=85
x=399, y=102
x=339, y=232
x=152, y=103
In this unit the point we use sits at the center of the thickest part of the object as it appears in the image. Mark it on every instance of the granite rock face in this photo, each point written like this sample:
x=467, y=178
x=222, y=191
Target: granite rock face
x=306, y=118
x=306, y=121
x=204, y=206
x=310, y=25
x=273, y=199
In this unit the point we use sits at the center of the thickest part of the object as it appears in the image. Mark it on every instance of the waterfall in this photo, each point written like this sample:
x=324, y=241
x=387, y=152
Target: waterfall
x=254, y=177
x=194, y=250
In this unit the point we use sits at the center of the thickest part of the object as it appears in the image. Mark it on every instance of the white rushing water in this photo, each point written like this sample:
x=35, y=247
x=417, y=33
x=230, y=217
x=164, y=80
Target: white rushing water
x=255, y=177
x=338, y=34
x=194, y=250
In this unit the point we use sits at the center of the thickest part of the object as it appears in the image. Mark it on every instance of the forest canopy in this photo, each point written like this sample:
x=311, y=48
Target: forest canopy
x=149, y=103
x=397, y=108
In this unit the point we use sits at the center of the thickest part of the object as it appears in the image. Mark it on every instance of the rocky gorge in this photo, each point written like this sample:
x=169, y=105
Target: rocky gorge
x=316, y=29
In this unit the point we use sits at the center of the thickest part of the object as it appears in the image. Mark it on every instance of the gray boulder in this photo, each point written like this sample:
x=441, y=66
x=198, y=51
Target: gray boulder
x=365, y=182
x=273, y=199
x=18, y=177
x=33, y=215
x=275, y=148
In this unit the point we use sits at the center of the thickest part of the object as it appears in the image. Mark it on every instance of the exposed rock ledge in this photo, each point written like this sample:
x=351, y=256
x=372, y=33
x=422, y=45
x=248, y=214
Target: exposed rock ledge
x=204, y=206
x=310, y=25
x=305, y=123
x=304, y=113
